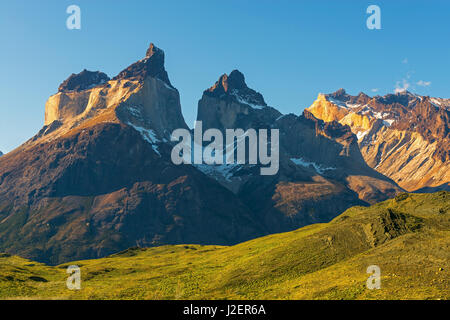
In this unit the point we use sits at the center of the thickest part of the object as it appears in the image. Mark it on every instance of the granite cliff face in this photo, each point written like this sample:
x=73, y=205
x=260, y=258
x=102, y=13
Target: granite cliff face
x=404, y=136
x=141, y=95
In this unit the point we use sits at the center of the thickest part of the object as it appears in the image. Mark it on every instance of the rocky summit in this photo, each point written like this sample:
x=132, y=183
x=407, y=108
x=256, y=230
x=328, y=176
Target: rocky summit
x=83, y=80
x=231, y=104
x=151, y=66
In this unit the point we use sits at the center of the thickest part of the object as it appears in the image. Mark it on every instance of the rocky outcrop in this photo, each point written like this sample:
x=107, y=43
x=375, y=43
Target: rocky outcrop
x=83, y=81
x=404, y=136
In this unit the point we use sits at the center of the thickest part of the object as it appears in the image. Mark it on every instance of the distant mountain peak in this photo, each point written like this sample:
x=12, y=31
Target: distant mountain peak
x=403, y=98
x=343, y=96
x=363, y=95
x=83, y=81
x=422, y=121
x=406, y=93
x=340, y=93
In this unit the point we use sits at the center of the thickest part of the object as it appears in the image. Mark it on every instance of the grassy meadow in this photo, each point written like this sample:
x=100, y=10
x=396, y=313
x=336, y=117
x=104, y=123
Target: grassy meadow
x=407, y=237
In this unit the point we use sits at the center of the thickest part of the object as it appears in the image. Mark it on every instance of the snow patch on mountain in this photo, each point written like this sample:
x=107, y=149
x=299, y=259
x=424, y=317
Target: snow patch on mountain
x=135, y=111
x=320, y=169
x=339, y=103
x=148, y=135
x=353, y=106
x=208, y=166
x=362, y=134
x=246, y=100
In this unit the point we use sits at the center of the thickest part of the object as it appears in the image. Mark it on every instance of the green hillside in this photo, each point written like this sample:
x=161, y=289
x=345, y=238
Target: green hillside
x=407, y=237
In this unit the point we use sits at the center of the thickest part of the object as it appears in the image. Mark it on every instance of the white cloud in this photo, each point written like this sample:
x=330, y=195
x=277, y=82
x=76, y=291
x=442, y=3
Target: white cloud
x=375, y=90
x=402, y=86
x=424, y=83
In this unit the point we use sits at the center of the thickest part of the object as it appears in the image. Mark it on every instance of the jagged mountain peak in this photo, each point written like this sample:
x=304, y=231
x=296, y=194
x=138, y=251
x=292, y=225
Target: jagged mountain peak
x=403, y=98
x=409, y=100
x=226, y=83
x=151, y=66
x=363, y=95
x=339, y=94
x=141, y=96
x=153, y=51
x=340, y=97
x=234, y=87
x=236, y=80
x=230, y=103
x=82, y=81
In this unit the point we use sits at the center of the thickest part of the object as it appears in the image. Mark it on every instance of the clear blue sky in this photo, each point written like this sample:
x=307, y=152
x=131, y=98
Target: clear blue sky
x=289, y=50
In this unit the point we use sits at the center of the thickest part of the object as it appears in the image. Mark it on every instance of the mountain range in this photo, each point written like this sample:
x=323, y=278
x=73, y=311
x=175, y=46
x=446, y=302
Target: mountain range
x=98, y=177
x=403, y=136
